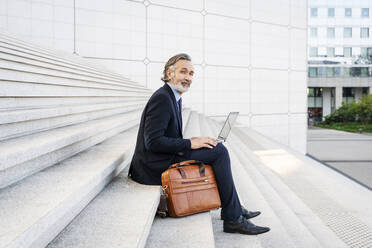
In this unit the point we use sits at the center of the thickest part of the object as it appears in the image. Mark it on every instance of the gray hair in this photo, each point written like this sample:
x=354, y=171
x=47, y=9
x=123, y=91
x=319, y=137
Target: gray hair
x=170, y=64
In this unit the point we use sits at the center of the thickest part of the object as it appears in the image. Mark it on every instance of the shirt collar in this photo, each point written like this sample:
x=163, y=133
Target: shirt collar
x=175, y=92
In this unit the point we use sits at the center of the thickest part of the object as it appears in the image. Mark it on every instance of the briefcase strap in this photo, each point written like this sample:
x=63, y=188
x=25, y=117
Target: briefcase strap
x=187, y=163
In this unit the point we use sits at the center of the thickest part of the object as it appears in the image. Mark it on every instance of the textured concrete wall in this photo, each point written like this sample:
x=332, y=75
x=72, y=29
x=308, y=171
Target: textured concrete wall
x=250, y=56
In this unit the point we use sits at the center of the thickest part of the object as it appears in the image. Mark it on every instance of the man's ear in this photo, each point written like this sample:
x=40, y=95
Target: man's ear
x=170, y=74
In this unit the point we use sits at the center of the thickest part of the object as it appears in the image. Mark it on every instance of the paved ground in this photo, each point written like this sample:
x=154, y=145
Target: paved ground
x=348, y=152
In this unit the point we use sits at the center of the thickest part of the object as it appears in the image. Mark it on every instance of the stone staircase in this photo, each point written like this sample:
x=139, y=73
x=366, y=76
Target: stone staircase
x=67, y=134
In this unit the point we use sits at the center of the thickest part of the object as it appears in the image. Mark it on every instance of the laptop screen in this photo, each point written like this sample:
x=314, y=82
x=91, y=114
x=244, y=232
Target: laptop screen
x=228, y=125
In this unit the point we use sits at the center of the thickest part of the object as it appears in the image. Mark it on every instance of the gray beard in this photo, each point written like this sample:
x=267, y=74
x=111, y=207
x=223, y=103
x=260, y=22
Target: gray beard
x=179, y=87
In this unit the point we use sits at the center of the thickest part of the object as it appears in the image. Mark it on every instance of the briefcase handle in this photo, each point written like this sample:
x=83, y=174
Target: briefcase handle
x=187, y=163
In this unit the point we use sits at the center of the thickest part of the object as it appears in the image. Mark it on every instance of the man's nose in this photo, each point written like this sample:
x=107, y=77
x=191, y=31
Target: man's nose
x=188, y=78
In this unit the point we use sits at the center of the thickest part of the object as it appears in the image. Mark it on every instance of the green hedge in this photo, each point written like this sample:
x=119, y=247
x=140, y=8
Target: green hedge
x=353, y=112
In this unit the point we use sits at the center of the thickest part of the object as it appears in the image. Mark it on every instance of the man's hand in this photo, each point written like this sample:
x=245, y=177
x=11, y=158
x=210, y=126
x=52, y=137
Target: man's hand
x=202, y=142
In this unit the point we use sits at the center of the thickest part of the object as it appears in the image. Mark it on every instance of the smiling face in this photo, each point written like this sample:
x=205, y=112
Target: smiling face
x=181, y=75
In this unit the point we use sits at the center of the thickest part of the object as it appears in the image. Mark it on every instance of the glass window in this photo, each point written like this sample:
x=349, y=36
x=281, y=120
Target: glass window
x=330, y=72
x=318, y=92
x=346, y=71
x=347, y=52
x=322, y=71
x=314, y=32
x=313, y=51
x=313, y=72
x=370, y=72
x=330, y=51
x=348, y=92
x=363, y=51
x=366, y=51
x=318, y=102
x=348, y=32
x=310, y=92
x=337, y=71
x=331, y=32
x=347, y=12
x=331, y=12
x=314, y=12
x=369, y=51
x=365, y=12
x=364, y=32
x=364, y=72
x=355, y=72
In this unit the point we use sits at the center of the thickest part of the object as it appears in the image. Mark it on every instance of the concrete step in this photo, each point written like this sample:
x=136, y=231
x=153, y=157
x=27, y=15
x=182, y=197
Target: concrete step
x=297, y=230
x=27, y=122
x=32, y=74
x=22, y=103
x=185, y=118
x=252, y=198
x=19, y=150
x=22, y=89
x=322, y=190
x=318, y=230
x=42, y=113
x=120, y=216
x=20, y=171
x=63, y=57
x=31, y=71
x=191, y=231
x=41, y=206
x=223, y=239
x=193, y=126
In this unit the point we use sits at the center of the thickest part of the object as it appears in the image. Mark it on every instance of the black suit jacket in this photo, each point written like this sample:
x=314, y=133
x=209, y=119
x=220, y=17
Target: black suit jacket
x=159, y=138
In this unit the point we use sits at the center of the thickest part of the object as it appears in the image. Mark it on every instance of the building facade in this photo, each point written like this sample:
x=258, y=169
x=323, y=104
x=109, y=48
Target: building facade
x=249, y=56
x=339, y=54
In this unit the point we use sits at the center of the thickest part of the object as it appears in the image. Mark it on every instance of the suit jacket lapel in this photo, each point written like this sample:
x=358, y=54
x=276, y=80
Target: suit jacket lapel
x=170, y=92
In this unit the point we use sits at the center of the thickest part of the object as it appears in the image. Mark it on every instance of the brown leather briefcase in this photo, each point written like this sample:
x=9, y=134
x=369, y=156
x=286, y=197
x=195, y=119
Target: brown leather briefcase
x=191, y=188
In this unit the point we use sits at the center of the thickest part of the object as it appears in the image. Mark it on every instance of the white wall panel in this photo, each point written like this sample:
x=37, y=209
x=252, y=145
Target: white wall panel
x=69, y=4
x=19, y=8
x=269, y=91
x=64, y=31
x=3, y=8
x=271, y=11
x=272, y=126
x=171, y=31
x=42, y=28
x=270, y=46
x=154, y=74
x=227, y=41
x=298, y=49
x=3, y=22
x=42, y=11
x=63, y=14
x=297, y=92
x=226, y=89
x=298, y=132
x=298, y=13
x=190, y=4
x=237, y=8
x=123, y=34
x=20, y=26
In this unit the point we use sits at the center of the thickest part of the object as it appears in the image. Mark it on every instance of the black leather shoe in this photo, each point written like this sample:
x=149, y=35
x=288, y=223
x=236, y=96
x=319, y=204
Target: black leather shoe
x=249, y=214
x=246, y=214
x=243, y=226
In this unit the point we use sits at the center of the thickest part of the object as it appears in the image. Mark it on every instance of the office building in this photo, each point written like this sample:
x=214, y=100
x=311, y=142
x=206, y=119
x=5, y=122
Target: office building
x=339, y=54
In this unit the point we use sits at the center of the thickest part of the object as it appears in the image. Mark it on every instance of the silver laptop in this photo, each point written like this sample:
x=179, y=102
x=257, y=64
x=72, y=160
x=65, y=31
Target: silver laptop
x=226, y=128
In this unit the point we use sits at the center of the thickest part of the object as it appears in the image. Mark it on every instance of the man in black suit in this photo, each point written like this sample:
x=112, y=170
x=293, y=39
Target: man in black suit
x=160, y=143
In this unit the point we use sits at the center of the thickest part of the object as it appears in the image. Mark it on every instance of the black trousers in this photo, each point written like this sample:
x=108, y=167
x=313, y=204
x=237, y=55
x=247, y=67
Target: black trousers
x=219, y=158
